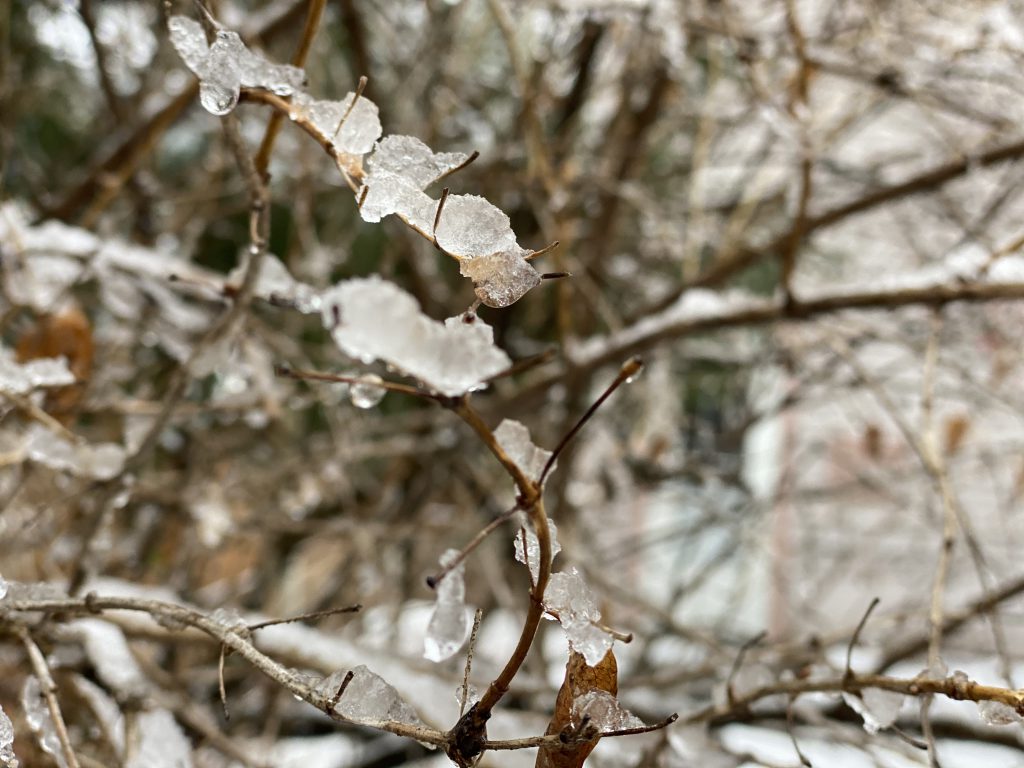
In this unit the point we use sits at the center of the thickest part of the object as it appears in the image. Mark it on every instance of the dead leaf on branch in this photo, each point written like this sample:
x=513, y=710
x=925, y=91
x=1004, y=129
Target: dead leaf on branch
x=579, y=679
x=66, y=334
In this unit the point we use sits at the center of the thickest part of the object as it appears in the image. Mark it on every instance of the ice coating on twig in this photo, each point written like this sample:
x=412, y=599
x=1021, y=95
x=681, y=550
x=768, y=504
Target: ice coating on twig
x=372, y=319
x=368, y=699
x=528, y=547
x=471, y=226
x=360, y=129
x=276, y=285
x=449, y=624
x=227, y=66
x=158, y=742
x=604, y=711
x=21, y=378
x=411, y=158
x=568, y=596
x=7, y=758
x=101, y=461
x=37, y=715
x=878, y=707
x=501, y=278
x=399, y=170
x=514, y=439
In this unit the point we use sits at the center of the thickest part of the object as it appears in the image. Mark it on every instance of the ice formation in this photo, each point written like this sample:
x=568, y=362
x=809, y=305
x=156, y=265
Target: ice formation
x=501, y=278
x=997, y=713
x=108, y=652
x=366, y=393
x=37, y=715
x=528, y=547
x=372, y=319
x=514, y=439
x=276, y=284
x=568, y=596
x=604, y=712
x=368, y=699
x=878, y=707
x=159, y=742
x=359, y=130
x=21, y=378
x=449, y=624
x=7, y=758
x=399, y=170
x=226, y=66
x=101, y=461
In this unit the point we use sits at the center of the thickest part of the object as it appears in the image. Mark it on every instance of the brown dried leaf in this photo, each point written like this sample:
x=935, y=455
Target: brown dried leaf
x=66, y=334
x=579, y=679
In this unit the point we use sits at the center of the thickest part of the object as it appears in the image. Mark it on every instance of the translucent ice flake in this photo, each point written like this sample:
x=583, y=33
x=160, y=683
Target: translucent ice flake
x=449, y=624
x=368, y=699
x=37, y=715
x=158, y=742
x=7, y=758
x=409, y=157
x=878, y=707
x=514, y=439
x=371, y=319
x=20, y=378
x=101, y=461
x=3, y=588
x=388, y=193
x=604, y=712
x=359, y=130
x=227, y=66
x=568, y=596
x=997, y=713
x=501, y=278
x=528, y=548
x=470, y=226
x=189, y=40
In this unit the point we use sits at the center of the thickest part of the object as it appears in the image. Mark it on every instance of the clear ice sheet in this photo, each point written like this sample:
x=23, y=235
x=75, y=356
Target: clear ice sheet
x=380, y=321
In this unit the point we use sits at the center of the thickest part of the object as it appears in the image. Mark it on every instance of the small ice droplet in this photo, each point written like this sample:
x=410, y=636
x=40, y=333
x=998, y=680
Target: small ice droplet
x=366, y=393
x=997, y=713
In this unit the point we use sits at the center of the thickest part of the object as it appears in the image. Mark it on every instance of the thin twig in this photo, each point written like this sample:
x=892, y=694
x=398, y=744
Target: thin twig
x=856, y=635
x=477, y=617
x=49, y=691
x=487, y=530
x=629, y=369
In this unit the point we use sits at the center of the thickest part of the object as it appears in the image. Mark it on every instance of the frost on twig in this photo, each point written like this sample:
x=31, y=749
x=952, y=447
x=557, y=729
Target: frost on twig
x=367, y=699
x=372, y=319
x=226, y=66
x=570, y=599
x=449, y=624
